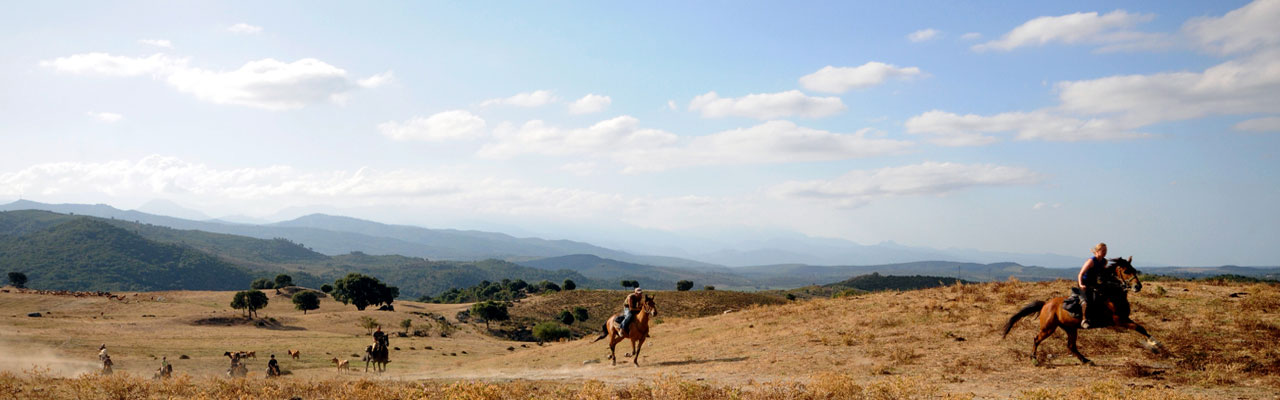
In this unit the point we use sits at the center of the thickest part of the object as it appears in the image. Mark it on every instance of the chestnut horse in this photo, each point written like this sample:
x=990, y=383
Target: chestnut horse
x=637, y=331
x=1114, y=312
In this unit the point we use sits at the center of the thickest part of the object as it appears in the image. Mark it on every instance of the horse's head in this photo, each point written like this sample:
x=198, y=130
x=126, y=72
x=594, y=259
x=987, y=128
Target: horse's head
x=650, y=306
x=1125, y=272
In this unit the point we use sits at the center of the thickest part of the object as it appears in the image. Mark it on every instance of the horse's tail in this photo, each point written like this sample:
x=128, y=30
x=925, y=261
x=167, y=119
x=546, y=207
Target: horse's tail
x=1031, y=308
x=604, y=331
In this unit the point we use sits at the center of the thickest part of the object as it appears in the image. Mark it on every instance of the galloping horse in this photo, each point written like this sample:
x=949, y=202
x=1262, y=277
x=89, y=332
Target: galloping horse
x=378, y=355
x=637, y=332
x=1114, y=287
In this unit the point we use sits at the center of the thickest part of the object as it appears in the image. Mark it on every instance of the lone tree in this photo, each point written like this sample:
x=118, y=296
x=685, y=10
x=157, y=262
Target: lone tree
x=326, y=288
x=306, y=300
x=684, y=286
x=569, y=285
x=18, y=279
x=283, y=280
x=565, y=317
x=262, y=283
x=630, y=284
x=406, y=324
x=250, y=301
x=363, y=291
x=490, y=311
x=580, y=313
x=369, y=323
x=708, y=287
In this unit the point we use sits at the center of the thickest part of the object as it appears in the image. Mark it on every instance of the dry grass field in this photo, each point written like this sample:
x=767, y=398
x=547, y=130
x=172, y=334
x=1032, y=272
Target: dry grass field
x=1218, y=341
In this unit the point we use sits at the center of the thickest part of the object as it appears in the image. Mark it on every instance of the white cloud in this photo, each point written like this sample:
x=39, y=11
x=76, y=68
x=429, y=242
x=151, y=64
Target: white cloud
x=771, y=142
x=1042, y=205
x=671, y=104
x=1110, y=28
x=1248, y=28
x=591, y=103
x=108, y=117
x=448, y=125
x=243, y=28
x=766, y=105
x=950, y=129
x=157, y=43
x=536, y=137
x=842, y=79
x=1268, y=124
x=623, y=141
x=266, y=83
x=859, y=187
x=1246, y=86
x=923, y=35
x=376, y=80
x=971, y=36
x=109, y=65
x=528, y=99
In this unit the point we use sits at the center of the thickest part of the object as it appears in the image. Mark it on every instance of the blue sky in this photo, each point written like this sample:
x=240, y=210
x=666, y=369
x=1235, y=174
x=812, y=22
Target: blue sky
x=1025, y=127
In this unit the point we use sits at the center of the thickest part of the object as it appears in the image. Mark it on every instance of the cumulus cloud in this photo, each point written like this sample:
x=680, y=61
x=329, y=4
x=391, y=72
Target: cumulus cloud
x=1110, y=28
x=107, y=117
x=267, y=83
x=950, y=129
x=528, y=99
x=109, y=65
x=376, y=80
x=591, y=103
x=537, y=137
x=448, y=125
x=623, y=141
x=859, y=187
x=1268, y=124
x=1245, y=86
x=971, y=36
x=157, y=43
x=1042, y=205
x=1247, y=28
x=923, y=35
x=771, y=142
x=791, y=103
x=244, y=29
x=843, y=79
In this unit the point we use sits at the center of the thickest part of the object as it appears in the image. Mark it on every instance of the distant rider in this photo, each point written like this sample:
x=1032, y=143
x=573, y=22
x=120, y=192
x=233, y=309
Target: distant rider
x=273, y=368
x=630, y=306
x=1088, y=281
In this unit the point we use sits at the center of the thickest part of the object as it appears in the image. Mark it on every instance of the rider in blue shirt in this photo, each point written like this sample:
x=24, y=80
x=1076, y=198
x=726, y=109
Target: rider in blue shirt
x=1088, y=280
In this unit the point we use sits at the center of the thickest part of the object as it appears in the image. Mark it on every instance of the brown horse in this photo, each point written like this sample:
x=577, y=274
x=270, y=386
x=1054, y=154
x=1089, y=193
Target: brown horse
x=1115, y=312
x=637, y=331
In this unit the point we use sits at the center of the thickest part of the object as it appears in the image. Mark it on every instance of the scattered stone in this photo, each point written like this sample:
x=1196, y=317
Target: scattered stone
x=34, y=314
x=590, y=362
x=453, y=354
x=1238, y=294
x=464, y=352
x=751, y=326
x=413, y=348
x=524, y=345
x=509, y=348
x=959, y=339
x=184, y=357
x=397, y=348
x=428, y=348
x=355, y=355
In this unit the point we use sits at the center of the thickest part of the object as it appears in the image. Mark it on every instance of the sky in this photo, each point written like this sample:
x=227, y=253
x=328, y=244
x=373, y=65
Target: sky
x=1028, y=127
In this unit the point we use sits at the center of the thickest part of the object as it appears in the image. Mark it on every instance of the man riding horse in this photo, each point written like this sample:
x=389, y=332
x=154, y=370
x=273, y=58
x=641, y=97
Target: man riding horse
x=630, y=307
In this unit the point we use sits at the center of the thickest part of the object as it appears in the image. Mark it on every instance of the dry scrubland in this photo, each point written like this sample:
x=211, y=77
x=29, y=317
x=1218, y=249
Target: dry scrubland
x=933, y=343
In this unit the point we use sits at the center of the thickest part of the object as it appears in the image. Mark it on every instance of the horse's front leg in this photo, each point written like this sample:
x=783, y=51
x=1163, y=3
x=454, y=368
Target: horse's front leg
x=1151, y=344
x=1071, y=344
x=635, y=357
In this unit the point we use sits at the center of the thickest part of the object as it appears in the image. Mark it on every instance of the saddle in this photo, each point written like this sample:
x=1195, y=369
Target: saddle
x=1072, y=304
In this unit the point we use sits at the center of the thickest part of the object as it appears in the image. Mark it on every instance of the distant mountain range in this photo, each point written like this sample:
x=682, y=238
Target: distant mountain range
x=422, y=261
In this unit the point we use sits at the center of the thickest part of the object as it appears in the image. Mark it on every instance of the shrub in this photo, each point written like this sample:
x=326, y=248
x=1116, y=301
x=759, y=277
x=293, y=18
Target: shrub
x=684, y=285
x=569, y=285
x=550, y=331
x=326, y=288
x=262, y=283
x=708, y=287
x=580, y=313
x=565, y=317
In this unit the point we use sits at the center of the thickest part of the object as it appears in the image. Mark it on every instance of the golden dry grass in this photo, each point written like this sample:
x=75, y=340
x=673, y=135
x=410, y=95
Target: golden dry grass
x=922, y=344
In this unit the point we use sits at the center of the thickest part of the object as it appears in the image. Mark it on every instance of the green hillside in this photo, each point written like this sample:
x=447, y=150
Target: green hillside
x=874, y=282
x=88, y=254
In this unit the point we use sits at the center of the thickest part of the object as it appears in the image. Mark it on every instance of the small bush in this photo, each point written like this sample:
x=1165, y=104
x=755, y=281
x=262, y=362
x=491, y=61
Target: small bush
x=550, y=331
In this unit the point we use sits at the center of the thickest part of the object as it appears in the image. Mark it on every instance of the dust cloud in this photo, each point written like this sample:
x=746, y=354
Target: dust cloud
x=22, y=358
